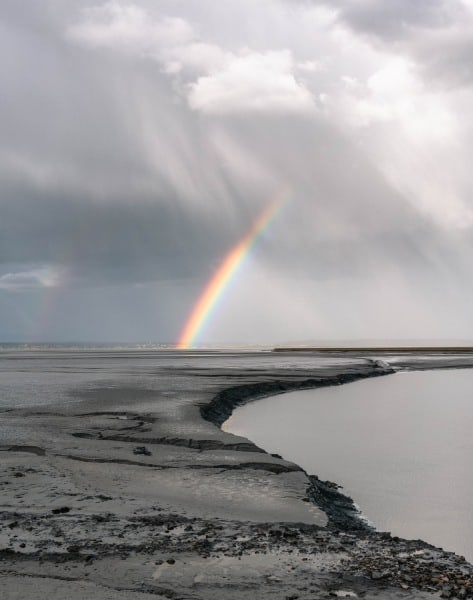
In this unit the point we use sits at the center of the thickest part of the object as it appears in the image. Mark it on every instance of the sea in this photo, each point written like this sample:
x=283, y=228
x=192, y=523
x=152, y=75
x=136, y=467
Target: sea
x=401, y=446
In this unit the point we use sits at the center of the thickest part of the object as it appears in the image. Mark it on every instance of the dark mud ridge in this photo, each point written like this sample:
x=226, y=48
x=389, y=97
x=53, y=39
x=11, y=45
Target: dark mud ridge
x=341, y=511
x=222, y=406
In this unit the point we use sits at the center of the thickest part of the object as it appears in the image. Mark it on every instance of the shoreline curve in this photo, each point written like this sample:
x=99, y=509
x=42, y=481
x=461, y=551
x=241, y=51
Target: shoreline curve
x=341, y=511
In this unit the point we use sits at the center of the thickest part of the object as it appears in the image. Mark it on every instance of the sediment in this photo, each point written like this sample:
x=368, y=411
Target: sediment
x=131, y=491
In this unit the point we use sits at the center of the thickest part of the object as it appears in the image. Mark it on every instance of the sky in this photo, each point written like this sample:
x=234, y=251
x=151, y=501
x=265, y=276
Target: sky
x=141, y=140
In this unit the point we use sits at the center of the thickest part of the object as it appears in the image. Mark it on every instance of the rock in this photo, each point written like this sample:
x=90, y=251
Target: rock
x=379, y=574
x=60, y=510
x=170, y=561
x=143, y=450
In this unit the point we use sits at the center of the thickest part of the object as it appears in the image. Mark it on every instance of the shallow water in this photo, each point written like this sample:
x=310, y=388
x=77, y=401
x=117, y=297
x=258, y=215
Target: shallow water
x=401, y=446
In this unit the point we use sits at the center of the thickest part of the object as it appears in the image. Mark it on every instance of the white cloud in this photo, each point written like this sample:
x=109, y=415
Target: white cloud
x=377, y=94
x=310, y=66
x=197, y=56
x=252, y=82
x=129, y=28
x=227, y=81
x=44, y=277
x=412, y=132
x=349, y=82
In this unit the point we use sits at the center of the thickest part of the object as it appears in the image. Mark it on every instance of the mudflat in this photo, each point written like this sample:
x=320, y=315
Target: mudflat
x=124, y=486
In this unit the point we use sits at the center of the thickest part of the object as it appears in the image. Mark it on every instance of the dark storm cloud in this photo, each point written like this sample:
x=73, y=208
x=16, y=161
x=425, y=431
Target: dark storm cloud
x=101, y=171
x=136, y=242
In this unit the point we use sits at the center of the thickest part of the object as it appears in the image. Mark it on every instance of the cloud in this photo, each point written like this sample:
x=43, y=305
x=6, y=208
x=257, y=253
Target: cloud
x=391, y=21
x=140, y=140
x=195, y=57
x=252, y=82
x=217, y=81
x=128, y=28
x=446, y=56
x=310, y=66
x=435, y=34
x=43, y=277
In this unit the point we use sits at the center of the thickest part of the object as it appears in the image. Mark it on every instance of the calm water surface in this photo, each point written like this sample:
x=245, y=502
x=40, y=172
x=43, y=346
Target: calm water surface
x=401, y=446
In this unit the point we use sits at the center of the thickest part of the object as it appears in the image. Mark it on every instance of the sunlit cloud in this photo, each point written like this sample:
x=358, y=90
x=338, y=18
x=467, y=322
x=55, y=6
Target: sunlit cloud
x=252, y=82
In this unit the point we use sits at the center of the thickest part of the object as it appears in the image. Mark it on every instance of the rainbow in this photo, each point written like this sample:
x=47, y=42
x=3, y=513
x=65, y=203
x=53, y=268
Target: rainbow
x=228, y=268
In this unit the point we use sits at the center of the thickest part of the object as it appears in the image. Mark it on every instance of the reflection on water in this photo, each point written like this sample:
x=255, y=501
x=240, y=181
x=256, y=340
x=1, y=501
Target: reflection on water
x=401, y=446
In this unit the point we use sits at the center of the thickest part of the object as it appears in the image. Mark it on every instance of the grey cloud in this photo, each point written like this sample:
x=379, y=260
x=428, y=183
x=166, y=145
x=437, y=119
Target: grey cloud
x=436, y=34
x=392, y=21
x=135, y=185
x=111, y=183
x=105, y=242
x=447, y=56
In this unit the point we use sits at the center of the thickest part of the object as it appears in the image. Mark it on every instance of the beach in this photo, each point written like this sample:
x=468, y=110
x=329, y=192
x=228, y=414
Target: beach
x=119, y=483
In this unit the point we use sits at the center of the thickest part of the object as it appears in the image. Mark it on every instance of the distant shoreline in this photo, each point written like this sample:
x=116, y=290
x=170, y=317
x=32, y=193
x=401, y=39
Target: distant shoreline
x=377, y=349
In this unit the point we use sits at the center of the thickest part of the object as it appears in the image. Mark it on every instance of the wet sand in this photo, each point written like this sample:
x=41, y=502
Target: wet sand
x=135, y=492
